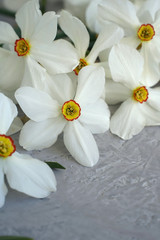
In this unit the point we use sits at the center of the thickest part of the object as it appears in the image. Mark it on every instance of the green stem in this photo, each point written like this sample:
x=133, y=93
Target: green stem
x=7, y=13
x=43, y=5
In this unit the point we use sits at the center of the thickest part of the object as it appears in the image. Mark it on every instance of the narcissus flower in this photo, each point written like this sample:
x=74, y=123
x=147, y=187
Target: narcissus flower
x=13, y=5
x=78, y=114
x=24, y=173
x=35, y=49
x=141, y=30
x=141, y=103
x=79, y=35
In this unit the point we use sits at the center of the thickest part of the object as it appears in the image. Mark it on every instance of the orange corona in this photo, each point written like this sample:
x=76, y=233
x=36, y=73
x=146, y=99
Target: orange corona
x=7, y=147
x=71, y=110
x=22, y=47
x=140, y=94
x=146, y=32
x=82, y=63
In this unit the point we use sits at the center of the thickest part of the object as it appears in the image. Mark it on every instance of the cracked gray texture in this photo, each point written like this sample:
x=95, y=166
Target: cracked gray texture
x=117, y=199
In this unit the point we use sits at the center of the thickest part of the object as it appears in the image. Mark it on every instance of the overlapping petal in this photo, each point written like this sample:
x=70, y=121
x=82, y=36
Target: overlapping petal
x=58, y=57
x=126, y=65
x=11, y=69
x=81, y=144
x=128, y=120
x=40, y=135
x=121, y=13
x=7, y=33
x=75, y=30
x=3, y=187
x=91, y=81
x=29, y=175
x=45, y=30
x=116, y=92
x=15, y=127
x=96, y=117
x=108, y=36
x=8, y=112
x=60, y=87
x=28, y=17
x=37, y=104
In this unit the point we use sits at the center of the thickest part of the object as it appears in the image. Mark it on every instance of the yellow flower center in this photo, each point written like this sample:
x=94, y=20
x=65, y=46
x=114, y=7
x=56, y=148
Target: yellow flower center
x=146, y=32
x=140, y=94
x=7, y=146
x=82, y=63
x=22, y=47
x=71, y=110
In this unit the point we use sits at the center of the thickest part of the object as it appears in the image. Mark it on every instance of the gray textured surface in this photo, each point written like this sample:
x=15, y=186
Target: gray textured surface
x=117, y=199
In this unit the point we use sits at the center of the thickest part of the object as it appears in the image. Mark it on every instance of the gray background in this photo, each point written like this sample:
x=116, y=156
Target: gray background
x=117, y=199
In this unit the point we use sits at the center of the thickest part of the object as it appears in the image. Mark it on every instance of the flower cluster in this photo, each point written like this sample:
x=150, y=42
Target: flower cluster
x=65, y=85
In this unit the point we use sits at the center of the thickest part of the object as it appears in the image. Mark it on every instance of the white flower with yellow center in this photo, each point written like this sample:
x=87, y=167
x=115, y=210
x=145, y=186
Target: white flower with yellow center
x=79, y=35
x=23, y=173
x=78, y=114
x=141, y=30
x=35, y=48
x=141, y=103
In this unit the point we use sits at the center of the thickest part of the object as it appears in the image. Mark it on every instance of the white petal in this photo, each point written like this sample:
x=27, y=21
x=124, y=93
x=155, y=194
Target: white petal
x=15, y=127
x=34, y=74
x=96, y=117
x=40, y=135
x=91, y=81
x=132, y=41
x=81, y=144
x=154, y=98
x=151, y=114
x=7, y=34
x=76, y=31
x=46, y=29
x=126, y=65
x=28, y=17
x=128, y=120
x=106, y=39
x=120, y=12
x=92, y=16
x=3, y=187
x=116, y=92
x=8, y=112
x=60, y=87
x=37, y=104
x=148, y=10
x=11, y=69
x=29, y=175
x=151, y=72
x=58, y=57
x=13, y=5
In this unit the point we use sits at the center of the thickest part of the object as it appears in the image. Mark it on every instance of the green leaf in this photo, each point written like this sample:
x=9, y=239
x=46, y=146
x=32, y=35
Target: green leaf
x=14, y=238
x=54, y=165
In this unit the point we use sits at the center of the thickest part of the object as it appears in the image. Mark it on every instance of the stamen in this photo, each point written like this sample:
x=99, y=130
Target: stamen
x=146, y=32
x=22, y=47
x=7, y=147
x=82, y=63
x=71, y=110
x=140, y=94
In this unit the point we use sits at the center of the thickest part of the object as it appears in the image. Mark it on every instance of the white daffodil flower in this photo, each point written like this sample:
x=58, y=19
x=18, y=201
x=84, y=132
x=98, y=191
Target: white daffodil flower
x=78, y=114
x=23, y=173
x=141, y=103
x=77, y=8
x=35, y=46
x=141, y=30
x=79, y=35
